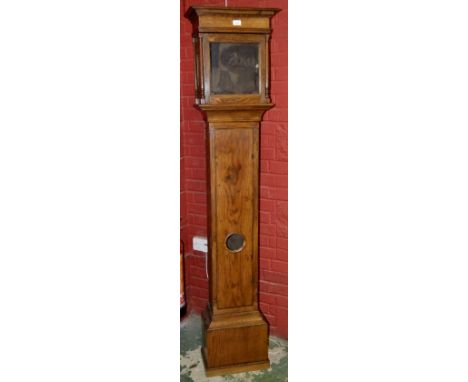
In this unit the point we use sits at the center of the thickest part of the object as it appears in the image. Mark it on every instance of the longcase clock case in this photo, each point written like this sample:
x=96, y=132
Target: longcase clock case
x=231, y=47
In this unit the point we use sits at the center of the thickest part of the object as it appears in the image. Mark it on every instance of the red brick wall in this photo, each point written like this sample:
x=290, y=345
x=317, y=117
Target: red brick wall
x=273, y=173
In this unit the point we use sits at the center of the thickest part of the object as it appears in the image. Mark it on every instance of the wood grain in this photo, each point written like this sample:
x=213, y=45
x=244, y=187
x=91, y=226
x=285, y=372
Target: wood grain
x=219, y=19
x=251, y=22
x=234, y=194
x=234, y=341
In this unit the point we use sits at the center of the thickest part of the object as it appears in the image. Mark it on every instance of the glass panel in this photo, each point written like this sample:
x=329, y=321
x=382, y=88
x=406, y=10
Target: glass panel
x=234, y=68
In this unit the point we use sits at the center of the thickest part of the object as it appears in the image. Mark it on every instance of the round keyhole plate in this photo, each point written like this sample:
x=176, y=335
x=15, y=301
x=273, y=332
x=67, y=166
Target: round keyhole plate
x=235, y=242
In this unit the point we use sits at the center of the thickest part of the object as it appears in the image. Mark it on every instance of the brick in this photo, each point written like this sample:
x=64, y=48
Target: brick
x=279, y=58
x=278, y=87
x=274, y=180
x=191, y=114
x=281, y=230
x=199, y=258
x=193, y=260
x=197, y=209
x=196, y=151
x=267, y=205
x=263, y=287
x=264, y=166
x=194, y=138
x=187, y=65
x=201, y=229
x=282, y=212
x=184, y=151
x=199, y=272
x=190, y=197
x=279, y=266
x=187, y=247
x=278, y=289
x=275, y=277
x=268, y=253
x=282, y=243
x=195, y=185
x=272, y=311
x=198, y=174
x=278, y=167
x=264, y=217
x=207, y=2
x=279, y=194
x=268, y=298
x=282, y=148
x=197, y=125
x=199, y=282
x=265, y=192
x=279, y=45
x=280, y=74
x=280, y=332
x=267, y=141
x=187, y=77
x=196, y=231
x=200, y=198
x=281, y=254
x=242, y=3
x=282, y=113
x=267, y=153
x=268, y=241
x=280, y=30
x=282, y=319
x=197, y=162
x=198, y=303
x=281, y=100
x=200, y=292
x=198, y=269
x=187, y=92
x=186, y=52
x=271, y=319
x=264, y=263
x=276, y=115
x=267, y=127
x=281, y=4
x=281, y=129
x=189, y=174
x=268, y=229
x=282, y=301
x=183, y=124
x=197, y=220
x=268, y=180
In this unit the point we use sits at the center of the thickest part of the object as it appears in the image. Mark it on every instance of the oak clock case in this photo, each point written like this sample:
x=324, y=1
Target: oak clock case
x=231, y=47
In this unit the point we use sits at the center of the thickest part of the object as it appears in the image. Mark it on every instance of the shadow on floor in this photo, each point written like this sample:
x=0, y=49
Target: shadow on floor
x=192, y=368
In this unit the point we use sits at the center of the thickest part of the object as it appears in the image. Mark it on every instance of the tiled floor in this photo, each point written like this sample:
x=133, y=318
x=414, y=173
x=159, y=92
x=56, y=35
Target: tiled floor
x=191, y=364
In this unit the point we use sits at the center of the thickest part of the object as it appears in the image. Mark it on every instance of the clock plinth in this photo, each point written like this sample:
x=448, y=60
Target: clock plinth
x=231, y=78
x=234, y=343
